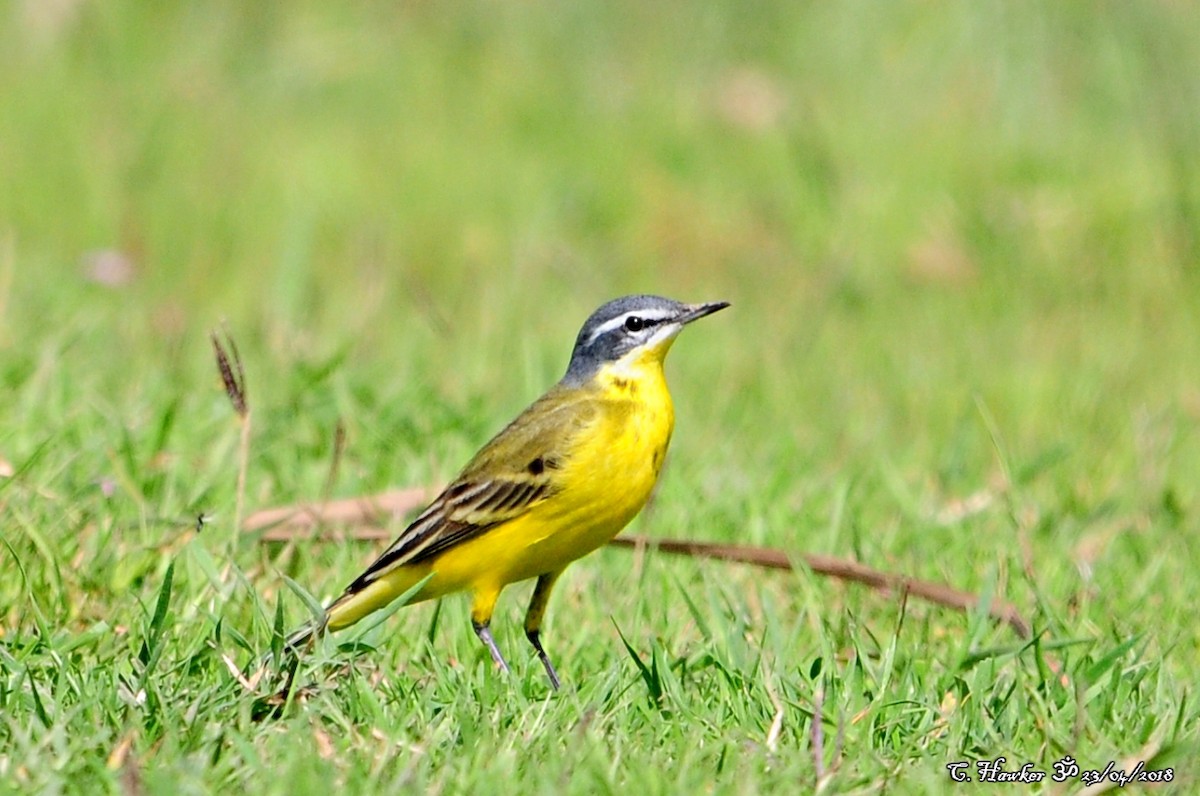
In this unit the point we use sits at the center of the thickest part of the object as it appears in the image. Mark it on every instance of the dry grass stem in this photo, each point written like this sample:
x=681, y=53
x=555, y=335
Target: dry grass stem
x=233, y=376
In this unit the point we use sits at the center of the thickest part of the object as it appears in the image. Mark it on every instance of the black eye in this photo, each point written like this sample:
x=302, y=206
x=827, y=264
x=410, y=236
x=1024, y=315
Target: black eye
x=634, y=324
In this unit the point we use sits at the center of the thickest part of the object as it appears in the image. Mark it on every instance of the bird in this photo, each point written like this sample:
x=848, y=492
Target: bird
x=559, y=481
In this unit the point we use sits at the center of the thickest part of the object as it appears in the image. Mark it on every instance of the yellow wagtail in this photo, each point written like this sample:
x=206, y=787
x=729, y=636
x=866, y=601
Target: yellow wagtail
x=559, y=481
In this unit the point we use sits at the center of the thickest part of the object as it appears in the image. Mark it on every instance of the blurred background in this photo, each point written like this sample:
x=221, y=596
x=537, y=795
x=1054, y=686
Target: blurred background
x=961, y=242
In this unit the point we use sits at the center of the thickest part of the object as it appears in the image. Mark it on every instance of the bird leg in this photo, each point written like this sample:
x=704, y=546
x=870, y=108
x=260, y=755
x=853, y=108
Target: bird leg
x=483, y=602
x=533, y=622
x=485, y=635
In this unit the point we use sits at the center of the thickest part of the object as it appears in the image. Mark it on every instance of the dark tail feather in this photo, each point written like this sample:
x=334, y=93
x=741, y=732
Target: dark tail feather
x=302, y=639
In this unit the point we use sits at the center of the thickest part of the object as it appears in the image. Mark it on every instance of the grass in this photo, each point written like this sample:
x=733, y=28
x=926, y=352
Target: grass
x=961, y=245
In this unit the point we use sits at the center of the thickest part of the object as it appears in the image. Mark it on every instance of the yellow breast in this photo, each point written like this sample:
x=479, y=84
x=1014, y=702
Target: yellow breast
x=614, y=469
x=605, y=481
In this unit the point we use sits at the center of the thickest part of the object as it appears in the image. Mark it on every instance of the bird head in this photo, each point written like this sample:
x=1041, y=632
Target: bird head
x=631, y=328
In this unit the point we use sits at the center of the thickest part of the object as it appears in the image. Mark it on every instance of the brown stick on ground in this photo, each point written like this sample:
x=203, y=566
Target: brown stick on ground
x=840, y=568
x=289, y=523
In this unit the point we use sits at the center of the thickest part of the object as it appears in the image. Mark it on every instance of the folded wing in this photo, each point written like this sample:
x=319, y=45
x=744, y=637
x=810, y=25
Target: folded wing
x=519, y=469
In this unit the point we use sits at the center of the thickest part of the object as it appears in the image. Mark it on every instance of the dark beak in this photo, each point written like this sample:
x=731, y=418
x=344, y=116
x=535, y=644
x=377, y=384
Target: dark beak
x=696, y=311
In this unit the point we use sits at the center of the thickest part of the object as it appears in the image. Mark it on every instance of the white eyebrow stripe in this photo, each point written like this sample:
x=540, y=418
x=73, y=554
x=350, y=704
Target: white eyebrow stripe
x=619, y=321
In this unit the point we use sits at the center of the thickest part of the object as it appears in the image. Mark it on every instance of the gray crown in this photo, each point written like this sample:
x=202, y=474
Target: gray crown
x=605, y=338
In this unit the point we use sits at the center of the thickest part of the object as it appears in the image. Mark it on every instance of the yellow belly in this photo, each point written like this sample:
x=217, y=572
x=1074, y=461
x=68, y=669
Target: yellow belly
x=606, y=481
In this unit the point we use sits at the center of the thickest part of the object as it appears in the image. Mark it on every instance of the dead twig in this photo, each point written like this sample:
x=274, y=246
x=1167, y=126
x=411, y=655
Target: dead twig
x=1132, y=766
x=288, y=523
x=831, y=566
x=335, y=460
x=776, y=728
x=283, y=523
x=817, y=735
